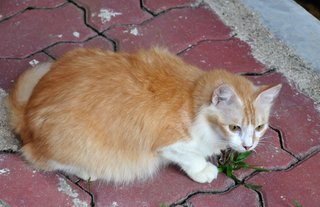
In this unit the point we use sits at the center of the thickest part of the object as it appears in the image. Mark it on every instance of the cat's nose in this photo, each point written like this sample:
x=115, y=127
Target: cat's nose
x=246, y=147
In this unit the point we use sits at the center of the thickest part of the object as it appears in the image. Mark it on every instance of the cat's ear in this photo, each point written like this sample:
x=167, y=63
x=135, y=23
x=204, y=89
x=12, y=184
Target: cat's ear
x=268, y=95
x=224, y=94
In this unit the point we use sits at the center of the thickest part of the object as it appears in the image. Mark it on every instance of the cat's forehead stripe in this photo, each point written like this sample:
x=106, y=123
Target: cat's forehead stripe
x=249, y=113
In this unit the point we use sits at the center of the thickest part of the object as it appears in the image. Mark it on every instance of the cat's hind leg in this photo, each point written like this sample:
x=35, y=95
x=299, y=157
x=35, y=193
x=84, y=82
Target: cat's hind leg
x=51, y=165
x=81, y=173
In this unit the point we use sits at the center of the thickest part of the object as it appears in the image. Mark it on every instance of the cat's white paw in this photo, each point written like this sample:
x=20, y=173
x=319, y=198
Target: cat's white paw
x=207, y=175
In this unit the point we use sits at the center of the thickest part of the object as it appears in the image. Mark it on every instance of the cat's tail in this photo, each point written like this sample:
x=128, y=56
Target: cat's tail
x=19, y=96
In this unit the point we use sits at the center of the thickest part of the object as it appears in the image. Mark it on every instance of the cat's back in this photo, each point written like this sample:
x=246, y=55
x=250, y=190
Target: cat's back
x=146, y=71
x=117, y=94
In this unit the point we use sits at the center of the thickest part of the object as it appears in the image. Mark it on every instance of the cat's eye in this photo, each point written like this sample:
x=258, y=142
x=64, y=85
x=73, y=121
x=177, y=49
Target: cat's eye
x=260, y=127
x=234, y=128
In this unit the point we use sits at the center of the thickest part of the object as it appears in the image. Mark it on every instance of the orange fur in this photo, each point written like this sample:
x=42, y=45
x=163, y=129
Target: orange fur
x=108, y=114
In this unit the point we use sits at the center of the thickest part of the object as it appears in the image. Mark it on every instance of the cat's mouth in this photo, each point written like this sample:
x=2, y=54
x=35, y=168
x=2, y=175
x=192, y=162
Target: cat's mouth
x=240, y=148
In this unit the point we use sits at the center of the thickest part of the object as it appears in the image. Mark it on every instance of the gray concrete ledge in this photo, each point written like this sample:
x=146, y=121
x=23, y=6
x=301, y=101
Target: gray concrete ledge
x=291, y=23
x=268, y=46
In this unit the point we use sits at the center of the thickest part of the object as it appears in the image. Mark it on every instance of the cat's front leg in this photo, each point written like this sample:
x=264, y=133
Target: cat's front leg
x=195, y=165
x=206, y=175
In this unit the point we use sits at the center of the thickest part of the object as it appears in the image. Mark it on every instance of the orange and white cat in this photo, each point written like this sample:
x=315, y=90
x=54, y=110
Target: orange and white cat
x=119, y=117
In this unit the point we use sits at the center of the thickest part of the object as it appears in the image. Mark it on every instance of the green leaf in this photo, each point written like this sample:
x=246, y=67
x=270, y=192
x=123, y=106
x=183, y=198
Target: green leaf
x=252, y=186
x=221, y=168
x=163, y=205
x=229, y=171
x=243, y=156
x=231, y=157
x=297, y=204
x=242, y=164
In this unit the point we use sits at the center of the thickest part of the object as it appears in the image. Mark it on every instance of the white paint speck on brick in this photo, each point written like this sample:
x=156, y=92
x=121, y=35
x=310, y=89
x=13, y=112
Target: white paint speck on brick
x=60, y=35
x=107, y=14
x=65, y=188
x=4, y=171
x=134, y=31
x=114, y=204
x=34, y=62
x=78, y=203
x=76, y=34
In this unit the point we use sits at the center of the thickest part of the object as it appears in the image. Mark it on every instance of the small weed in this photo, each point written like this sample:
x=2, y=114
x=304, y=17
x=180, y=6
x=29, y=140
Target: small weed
x=231, y=161
x=163, y=205
x=297, y=204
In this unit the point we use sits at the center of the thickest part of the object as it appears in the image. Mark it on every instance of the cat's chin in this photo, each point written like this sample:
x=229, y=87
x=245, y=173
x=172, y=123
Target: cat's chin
x=241, y=151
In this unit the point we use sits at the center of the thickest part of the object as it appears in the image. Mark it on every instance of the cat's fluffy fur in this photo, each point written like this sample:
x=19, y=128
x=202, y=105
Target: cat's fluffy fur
x=119, y=116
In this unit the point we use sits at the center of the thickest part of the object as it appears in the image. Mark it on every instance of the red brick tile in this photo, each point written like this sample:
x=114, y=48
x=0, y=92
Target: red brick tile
x=234, y=55
x=102, y=14
x=268, y=155
x=9, y=8
x=168, y=186
x=295, y=115
x=175, y=29
x=29, y=32
x=23, y=186
x=240, y=197
x=300, y=183
x=157, y=6
x=10, y=69
x=97, y=42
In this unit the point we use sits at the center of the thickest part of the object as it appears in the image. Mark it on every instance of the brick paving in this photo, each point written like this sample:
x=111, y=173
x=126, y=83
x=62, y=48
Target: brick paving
x=37, y=31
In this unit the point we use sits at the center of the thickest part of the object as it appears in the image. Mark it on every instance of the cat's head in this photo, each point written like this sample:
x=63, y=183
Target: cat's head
x=237, y=110
x=242, y=121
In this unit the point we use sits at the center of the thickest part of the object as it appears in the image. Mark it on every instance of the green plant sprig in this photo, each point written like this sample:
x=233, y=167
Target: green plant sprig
x=232, y=161
x=297, y=204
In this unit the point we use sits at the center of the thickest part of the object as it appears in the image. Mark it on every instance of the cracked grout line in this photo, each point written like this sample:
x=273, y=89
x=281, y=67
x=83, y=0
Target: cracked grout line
x=268, y=71
x=300, y=157
x=293, y=165
x=143, y=22
x=49, y=55
x=149, y=19
x=303, y=159
x=185, y=199
x=191, y=46
x=260, y=196
x=67, y=42
x=92, y=198
x=282, y=142
x=114, y=43
x=145, y=8
x=23, y=58
x=194, y=5
x=29, y=8
x=289, y=167
x=85, y=15
x=48, y=47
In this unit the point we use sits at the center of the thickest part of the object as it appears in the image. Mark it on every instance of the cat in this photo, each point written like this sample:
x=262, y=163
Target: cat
x=120, y=117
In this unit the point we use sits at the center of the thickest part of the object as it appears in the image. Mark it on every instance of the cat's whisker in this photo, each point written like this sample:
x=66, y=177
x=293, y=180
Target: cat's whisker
x=266, y=137
x=267, y=146
x=265, y=141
